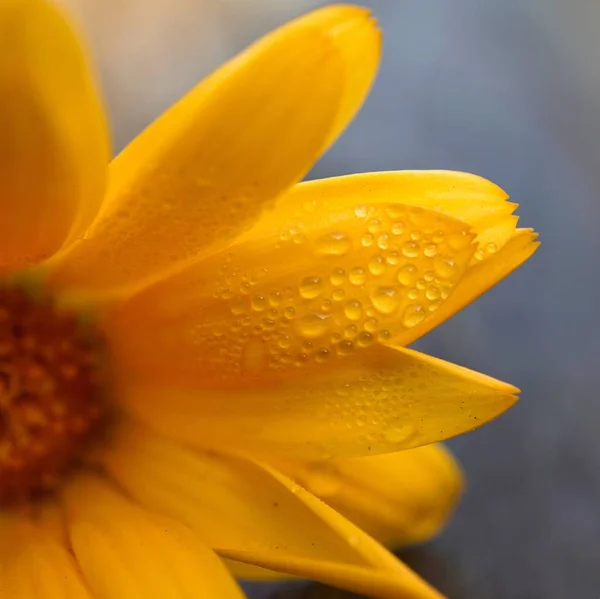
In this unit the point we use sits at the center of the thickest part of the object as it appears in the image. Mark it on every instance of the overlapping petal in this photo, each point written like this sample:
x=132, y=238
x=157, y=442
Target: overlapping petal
x=398, y=498
x=295, y=293
x=126, y=551
x=206, y=169
x=250, y=513
x=54, y=147
x=383, y=399
x=477, y=280
x=34, y=564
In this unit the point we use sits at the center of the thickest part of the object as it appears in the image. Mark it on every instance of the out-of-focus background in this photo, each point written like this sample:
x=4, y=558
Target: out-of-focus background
x=509, y=90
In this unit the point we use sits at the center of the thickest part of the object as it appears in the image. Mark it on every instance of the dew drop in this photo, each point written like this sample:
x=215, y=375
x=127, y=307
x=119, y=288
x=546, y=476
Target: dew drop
x=275, y=298
x=289, y=312
x=338, y=276
x=357, y=276
x=383, y=336
x=371, y=325
x=259, y=303
x=344, y=348
x=399, y=434
x=350, y=331
x=322, y=355
x=338, y=295
x=374, y=226
x=312, y=326
x=444, y=267
x=410, y=249
x=479, y=254
x=432, y=293
x=333, y=244
x=353, y=310
x=407, y=275
x=383, y=241
x=430, y=250
x=413, y=315
x=386, y=300
x=364, y=339
x=398, y=228
x=393, y=258
x=367, y=240
x=311, y=287
x=360, y=211
x=377, y=266
x=491, y=248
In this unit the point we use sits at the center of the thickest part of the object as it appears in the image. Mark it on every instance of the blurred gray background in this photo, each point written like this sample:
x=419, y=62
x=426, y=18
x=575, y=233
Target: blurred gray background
x=509, y=90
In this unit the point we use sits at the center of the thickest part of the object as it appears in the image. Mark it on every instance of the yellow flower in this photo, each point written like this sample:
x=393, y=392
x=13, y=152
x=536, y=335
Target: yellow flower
x=244, y=335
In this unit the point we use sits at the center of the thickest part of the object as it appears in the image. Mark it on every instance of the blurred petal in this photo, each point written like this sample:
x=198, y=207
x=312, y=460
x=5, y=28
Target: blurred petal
x=34, y=565
x=254, y=515
x=294, y=294
x=206, y=169
x=398, y=498
x=477, y=280
x=381, y=400
x=53, y=138
x=126, y=551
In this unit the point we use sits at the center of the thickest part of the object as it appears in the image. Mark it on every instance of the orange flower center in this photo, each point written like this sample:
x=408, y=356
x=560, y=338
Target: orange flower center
x=50, y=393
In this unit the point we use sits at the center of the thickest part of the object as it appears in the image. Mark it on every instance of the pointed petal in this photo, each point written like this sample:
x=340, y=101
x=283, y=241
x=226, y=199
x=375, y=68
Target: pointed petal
x=126, y=551
x=53, y=139
x=477, y=280
x=398, y=498
x=33, y=564
x=252, y=514
x=206, y=169
x=381, y=400
x=269, y=306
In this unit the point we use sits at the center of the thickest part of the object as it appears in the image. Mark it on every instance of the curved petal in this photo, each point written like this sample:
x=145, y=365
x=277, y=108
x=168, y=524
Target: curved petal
x=477, y=280
x=398, y=498
x=126, y=551
x=272, y=305
x=469, y=198
x=381, y=400
x=33, y=564
x=206, y=169
x=252, y=514
x=54, y=146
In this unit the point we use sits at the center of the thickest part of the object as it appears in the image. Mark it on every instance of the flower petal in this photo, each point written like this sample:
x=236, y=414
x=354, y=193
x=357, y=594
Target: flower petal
x=469, y=198
x=381, y=400
x=271, y=305
x=206, y=169
x=53, y=139
x=477, y=280
x=398, y=498
x=126, y=551
x=33, y=564
x=253, y=514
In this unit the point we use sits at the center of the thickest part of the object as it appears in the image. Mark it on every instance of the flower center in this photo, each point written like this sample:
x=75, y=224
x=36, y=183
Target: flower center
x=50, y=393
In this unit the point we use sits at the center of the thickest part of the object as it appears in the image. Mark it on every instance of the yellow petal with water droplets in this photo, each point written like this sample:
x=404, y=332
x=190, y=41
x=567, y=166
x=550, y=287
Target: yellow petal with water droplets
x=205, y=170
x=380, y=400
x=125, y=551
x=53, y=138
x=252, y=514
x=477, y=280
x=34, y=565
x=293, y=295
x=470, y=198
x=398, y=498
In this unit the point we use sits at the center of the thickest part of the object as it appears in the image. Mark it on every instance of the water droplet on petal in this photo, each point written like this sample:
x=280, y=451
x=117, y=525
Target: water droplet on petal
x=386, y=300
x=353, y=310
x=312, y=326
x=357, y=276
x=413, y=315
x=311, y=287
x=333, y=244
